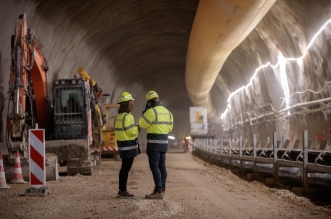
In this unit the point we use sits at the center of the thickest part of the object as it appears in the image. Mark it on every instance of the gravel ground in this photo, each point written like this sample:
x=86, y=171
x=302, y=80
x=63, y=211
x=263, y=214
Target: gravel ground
x=195, y=189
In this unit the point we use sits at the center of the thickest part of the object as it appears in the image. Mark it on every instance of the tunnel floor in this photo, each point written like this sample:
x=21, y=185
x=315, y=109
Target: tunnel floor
x=195, y=189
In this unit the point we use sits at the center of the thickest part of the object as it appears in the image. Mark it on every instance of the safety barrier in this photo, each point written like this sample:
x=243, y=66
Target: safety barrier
x=298, y=162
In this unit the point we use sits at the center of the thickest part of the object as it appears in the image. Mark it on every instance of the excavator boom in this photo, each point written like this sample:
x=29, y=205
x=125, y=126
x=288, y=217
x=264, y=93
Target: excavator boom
x=28, y=64
x=69, y=117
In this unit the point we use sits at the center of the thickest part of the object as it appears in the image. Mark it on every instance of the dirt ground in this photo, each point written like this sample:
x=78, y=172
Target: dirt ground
x=195, y=189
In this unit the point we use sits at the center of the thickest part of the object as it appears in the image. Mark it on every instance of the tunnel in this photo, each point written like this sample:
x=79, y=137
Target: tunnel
x=137, y=47
x=258, y=67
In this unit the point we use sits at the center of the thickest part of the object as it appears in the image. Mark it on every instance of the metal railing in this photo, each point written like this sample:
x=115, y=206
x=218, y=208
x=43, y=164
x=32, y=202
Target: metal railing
x=297, y=161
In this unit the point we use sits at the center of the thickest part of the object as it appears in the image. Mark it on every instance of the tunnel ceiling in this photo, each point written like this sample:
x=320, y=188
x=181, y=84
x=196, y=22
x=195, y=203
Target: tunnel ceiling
x=139, y=46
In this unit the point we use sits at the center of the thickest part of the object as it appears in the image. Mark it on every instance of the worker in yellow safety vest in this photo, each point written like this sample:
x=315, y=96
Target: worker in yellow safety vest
x=158, y=122
x=126, y=133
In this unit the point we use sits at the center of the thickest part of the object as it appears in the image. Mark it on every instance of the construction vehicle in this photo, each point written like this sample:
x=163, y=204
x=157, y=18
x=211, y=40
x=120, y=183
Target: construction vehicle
x=105, y=114
x=109, y=143
x=71, y=116
x=98, y=117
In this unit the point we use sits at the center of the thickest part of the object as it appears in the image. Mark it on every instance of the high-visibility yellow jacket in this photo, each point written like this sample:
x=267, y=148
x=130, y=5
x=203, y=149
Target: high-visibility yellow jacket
x=158, y=122
x=126, y=133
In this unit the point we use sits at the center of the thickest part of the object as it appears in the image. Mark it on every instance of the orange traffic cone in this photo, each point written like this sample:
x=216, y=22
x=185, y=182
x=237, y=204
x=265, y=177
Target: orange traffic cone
x=17, y=174
x=3, y=184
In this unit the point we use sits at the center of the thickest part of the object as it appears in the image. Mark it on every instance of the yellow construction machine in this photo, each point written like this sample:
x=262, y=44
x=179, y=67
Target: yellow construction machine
x=98, y=117
x=109, y=144
x=103, y=132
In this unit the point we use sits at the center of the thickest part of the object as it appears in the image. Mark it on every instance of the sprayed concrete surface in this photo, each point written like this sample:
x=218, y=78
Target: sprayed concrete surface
x=142, y=46
x=195, y=189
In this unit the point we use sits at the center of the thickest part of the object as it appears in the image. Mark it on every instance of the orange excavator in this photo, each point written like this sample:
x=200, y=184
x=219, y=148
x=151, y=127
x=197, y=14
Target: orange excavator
x=68, y=115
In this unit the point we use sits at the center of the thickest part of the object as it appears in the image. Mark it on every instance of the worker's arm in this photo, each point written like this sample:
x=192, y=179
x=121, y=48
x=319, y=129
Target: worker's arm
x=146, y=119
x=171, y=125
x=131, y=130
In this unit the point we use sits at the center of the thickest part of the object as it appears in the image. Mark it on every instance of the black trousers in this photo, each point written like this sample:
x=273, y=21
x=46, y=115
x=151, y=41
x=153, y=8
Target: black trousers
x=124, y=172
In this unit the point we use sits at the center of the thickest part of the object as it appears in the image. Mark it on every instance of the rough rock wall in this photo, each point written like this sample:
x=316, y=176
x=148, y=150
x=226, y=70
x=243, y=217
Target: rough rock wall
x=285, y=31
x=133, y=46
x=141, y=45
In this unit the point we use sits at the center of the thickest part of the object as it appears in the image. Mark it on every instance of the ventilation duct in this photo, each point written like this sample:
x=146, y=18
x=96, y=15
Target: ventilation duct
x=219, y=27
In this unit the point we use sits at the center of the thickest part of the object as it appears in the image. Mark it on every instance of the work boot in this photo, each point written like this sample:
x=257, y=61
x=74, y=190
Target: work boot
x=157, y=194
x=125, y=194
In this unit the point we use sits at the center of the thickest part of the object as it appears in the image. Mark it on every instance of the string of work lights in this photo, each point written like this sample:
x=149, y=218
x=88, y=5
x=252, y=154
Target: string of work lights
x=280, y=63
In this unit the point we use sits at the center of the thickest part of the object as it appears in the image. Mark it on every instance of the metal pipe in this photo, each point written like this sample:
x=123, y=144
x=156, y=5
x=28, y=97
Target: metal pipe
x=289, y=108
x=17, y=77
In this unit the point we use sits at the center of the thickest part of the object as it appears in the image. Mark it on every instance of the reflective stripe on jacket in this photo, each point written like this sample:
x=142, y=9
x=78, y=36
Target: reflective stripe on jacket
x=158, y=122
x=126, y=133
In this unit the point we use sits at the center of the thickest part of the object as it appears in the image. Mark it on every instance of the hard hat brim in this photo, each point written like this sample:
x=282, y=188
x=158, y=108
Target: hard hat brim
x=124, y=101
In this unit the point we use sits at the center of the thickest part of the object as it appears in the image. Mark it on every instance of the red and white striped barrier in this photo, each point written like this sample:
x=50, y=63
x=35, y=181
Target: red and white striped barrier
x=37, y=158
x=109, y=148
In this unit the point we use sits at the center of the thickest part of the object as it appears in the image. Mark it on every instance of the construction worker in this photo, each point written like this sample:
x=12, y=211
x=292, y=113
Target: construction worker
x=158, y=122
x=126, y=133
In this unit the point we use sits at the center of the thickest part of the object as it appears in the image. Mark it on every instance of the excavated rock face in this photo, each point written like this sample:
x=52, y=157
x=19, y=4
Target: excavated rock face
x=137, y=46
x=132, y=46
x=286, y=31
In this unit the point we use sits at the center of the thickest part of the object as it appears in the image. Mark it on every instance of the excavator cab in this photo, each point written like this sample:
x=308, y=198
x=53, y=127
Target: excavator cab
x=71, y=107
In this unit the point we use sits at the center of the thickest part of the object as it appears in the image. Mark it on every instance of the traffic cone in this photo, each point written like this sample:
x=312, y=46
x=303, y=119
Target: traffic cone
x=17, y=174
x=3, y=184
